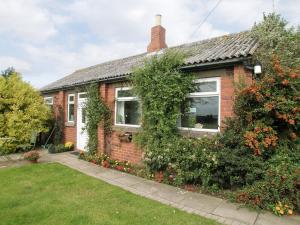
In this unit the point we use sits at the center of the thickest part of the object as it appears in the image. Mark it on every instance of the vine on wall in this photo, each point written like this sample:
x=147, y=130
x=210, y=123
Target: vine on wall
x=97, y=112
x=162, y=89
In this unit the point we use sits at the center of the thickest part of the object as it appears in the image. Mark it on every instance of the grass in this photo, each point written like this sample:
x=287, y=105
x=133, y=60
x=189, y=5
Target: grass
x=55, y=194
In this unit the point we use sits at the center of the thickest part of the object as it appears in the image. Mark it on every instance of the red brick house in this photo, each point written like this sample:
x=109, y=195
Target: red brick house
x=217, y=63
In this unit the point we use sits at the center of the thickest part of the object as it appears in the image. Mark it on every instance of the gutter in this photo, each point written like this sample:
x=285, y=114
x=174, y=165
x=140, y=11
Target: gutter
x=214, y=64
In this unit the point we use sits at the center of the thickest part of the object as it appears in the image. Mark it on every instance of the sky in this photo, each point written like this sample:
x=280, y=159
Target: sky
x=46, y=40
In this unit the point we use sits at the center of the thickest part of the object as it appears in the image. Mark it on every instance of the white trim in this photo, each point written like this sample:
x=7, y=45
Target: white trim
x=123, y=99
x=80, y=93
x=46, y=98
x=212, y=79
x=216, y=93
x=197, y=129
x=81, y=135
x=71, y=102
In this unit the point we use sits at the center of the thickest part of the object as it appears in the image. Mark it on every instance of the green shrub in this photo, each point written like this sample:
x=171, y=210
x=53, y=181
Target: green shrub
x=58, y=148
x=32, y=156
x=162, y=88
x=22, y=112
x=237, y=165
x=280, y=185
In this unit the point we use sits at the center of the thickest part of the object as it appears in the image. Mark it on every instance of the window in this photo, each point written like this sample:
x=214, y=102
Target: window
x=204, y=106
x=127, y=108
x=71, y=100
x=48, y=100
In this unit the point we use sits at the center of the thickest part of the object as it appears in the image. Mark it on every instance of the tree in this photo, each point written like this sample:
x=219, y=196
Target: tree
x=22, y=112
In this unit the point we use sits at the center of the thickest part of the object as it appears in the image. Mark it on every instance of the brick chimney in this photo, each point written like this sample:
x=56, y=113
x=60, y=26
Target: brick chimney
x=158, y=36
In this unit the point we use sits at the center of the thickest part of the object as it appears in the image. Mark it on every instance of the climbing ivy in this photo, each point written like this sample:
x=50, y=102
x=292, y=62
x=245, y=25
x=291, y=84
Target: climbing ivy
x=162, y=89
x=96, y=112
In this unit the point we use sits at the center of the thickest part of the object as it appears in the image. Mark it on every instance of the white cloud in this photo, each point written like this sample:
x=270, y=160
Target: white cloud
x=26, y=20
x=49, y=39
x=18, y=64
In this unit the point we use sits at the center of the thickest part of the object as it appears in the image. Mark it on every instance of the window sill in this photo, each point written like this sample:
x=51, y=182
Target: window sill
x=70, y=124
x=197, y=133
x=126, y=128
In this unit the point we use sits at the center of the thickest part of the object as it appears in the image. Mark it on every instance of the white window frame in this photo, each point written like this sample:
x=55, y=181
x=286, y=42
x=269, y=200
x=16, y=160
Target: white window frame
x=216, y=93
x=47, y=98
x=123, y=99
x=69, y=103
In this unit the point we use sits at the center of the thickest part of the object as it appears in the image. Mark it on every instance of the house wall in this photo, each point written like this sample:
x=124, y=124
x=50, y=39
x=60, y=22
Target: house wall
x=112, y=145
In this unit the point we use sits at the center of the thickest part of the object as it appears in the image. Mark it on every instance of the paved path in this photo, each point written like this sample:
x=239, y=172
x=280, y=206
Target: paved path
x=203, y=205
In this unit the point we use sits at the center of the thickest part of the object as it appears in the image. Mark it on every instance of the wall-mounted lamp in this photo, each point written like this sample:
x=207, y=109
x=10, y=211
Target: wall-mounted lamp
x=257, y=69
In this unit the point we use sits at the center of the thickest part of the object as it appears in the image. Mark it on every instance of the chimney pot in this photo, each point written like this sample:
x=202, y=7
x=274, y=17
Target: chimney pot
x=157, y=20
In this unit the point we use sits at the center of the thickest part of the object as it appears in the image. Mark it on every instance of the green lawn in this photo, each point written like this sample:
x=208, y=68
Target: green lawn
x=55, y=194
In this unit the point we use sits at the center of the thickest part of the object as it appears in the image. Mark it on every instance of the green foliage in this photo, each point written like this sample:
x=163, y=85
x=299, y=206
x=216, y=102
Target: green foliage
x=192, y=161
x=276, y=39
x=237, y=165
x=162, y=89
x=281, y=183
x=97, y=112
x=261, y=144
x=22, y=112
x=59, y=126
x=32, y=156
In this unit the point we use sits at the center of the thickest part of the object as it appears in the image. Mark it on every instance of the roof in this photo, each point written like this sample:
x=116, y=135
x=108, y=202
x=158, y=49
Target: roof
x=213, y=50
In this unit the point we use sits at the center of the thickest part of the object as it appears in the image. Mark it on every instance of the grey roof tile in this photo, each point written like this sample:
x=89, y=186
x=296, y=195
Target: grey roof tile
x=210, y=50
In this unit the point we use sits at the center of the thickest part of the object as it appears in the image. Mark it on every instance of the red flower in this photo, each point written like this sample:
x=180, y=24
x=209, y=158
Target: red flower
x=105, y=164
x=291, y=121
x=293, y=75
x=285, y=82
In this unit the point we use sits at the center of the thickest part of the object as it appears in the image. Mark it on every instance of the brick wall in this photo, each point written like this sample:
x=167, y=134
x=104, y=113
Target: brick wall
x=112, y=145
x=61, y=99
x=232, y=76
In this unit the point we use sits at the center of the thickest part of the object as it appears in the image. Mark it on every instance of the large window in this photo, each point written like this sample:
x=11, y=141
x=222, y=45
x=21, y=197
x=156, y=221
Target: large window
x=127, y=108
x=71, y=101
x=204, y=110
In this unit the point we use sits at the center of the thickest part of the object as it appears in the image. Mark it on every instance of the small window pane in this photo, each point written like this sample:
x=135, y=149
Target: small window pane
x=209, y=86
x=48, y=100
x=128, y=112
x=71, y=98
x=83, y=116
x=71, y=112
x=82, y=95
x=125, y=93
x=203, y=113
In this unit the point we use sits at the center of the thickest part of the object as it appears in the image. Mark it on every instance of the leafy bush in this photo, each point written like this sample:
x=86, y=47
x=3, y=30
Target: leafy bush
x=32, y=156
x=237, y=165
x=68, y=146
x=192, y=161
x=280, y=188
x=162, y=89
x=22, y=112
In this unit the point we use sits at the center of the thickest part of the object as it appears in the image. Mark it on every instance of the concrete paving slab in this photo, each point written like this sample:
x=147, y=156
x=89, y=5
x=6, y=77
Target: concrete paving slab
x=111, y=174
x=172, y=193
x=201, y=202
x=233, y=211
x=267, y=218
x=146, y=187
x=129, y=180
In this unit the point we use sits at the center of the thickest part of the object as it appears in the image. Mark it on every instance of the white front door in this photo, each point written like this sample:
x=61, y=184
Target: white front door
x=82, y=137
